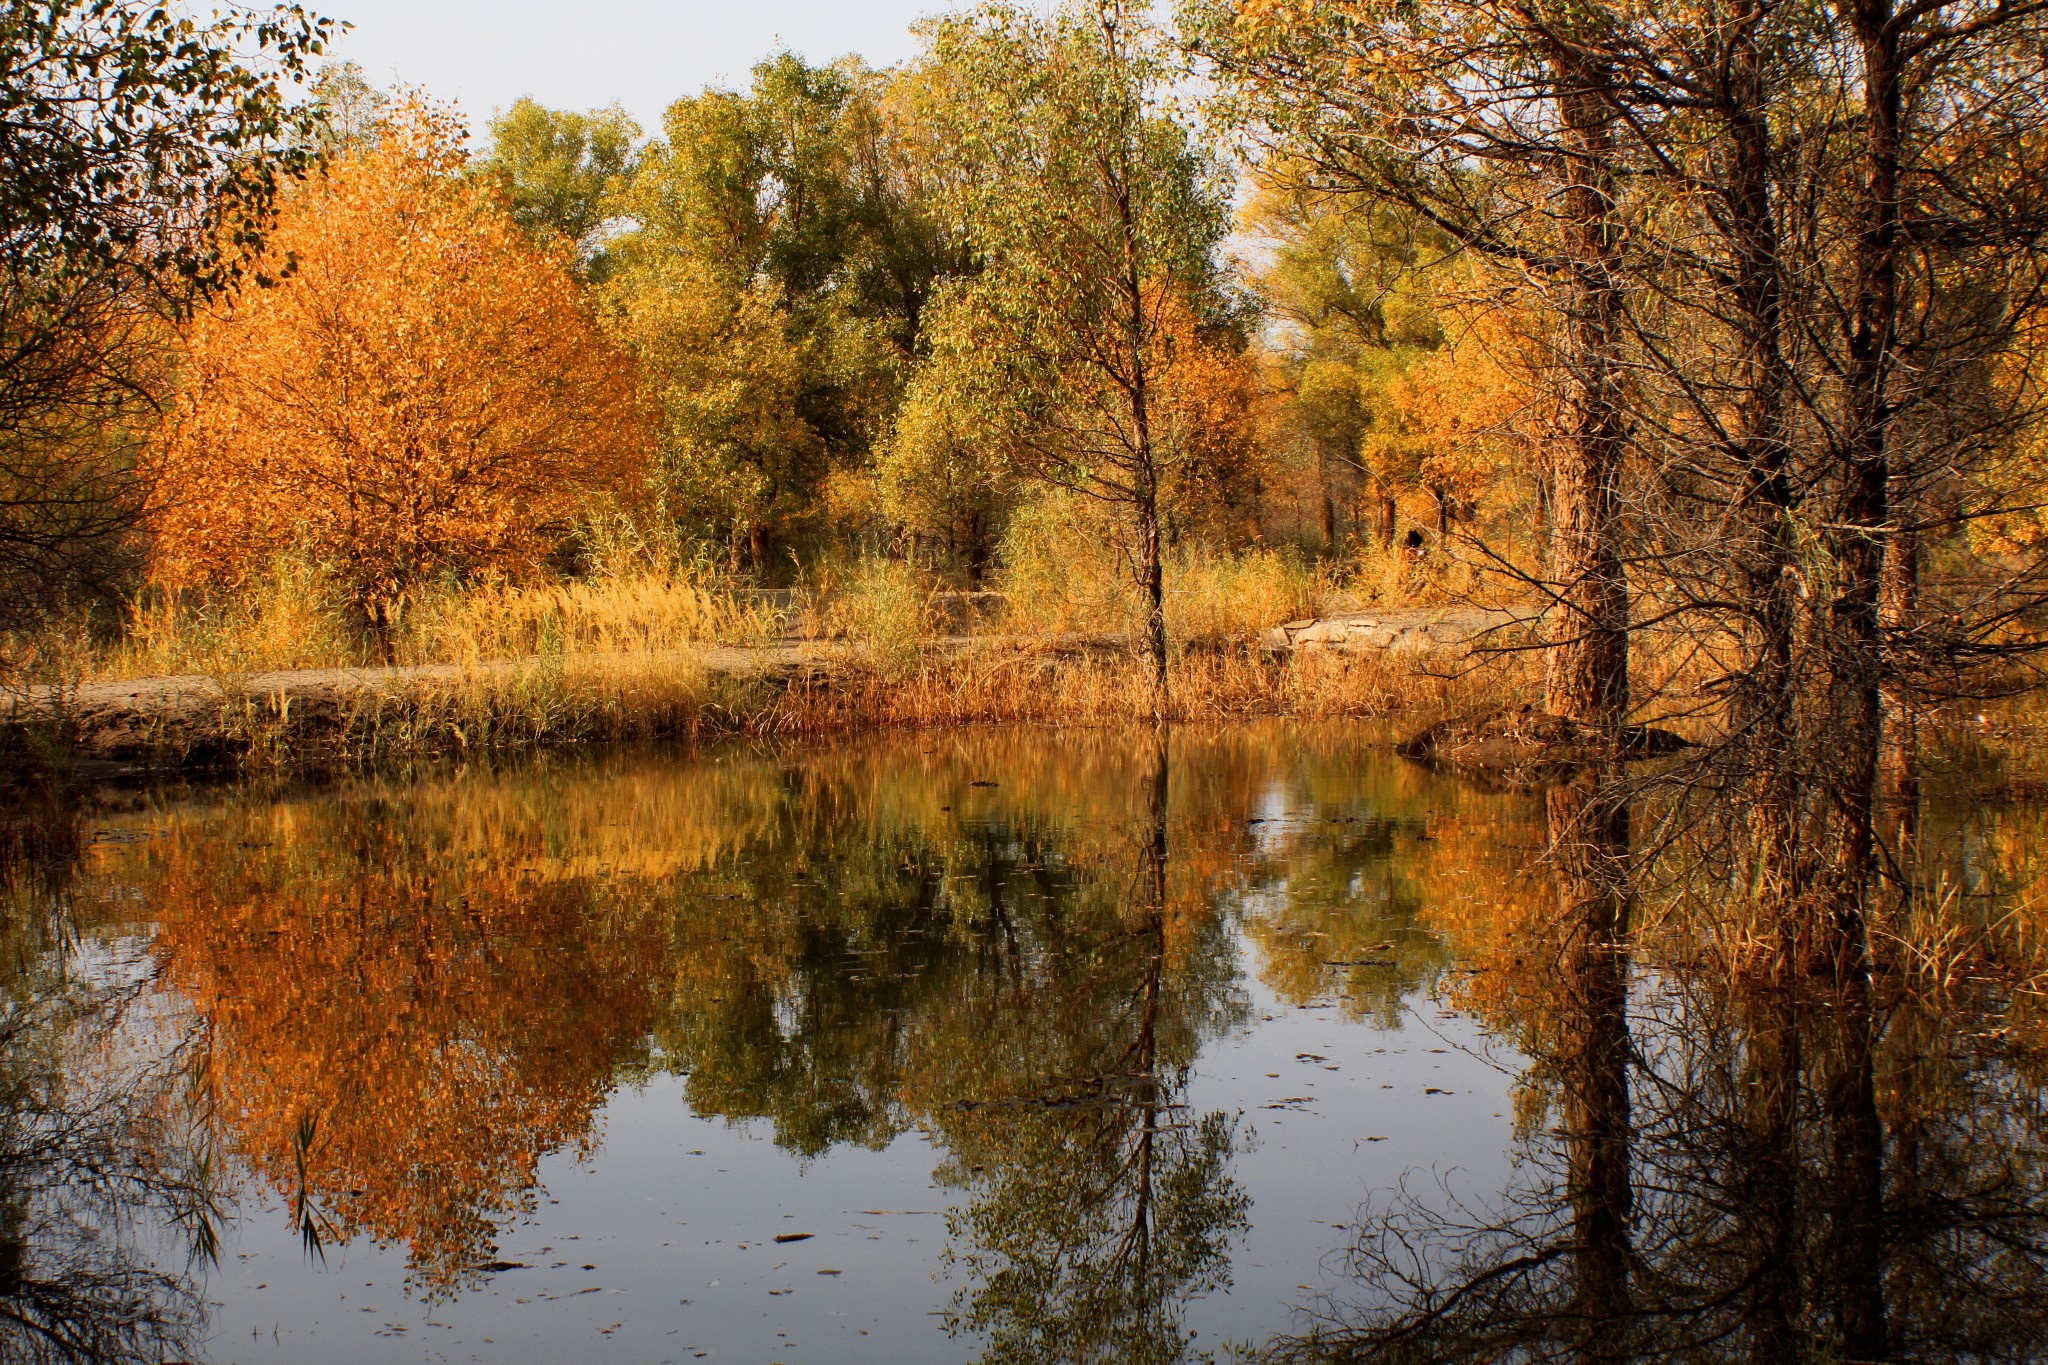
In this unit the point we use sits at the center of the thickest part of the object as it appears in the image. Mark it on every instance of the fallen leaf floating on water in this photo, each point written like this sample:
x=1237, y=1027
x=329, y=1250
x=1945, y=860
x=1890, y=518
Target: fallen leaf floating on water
x=794, y=1236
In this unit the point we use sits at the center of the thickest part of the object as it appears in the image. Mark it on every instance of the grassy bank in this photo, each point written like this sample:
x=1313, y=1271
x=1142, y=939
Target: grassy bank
x=280, y=674
x=339, y=721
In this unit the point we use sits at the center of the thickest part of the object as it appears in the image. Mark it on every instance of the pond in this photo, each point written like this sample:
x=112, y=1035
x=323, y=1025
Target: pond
x=990, y=1045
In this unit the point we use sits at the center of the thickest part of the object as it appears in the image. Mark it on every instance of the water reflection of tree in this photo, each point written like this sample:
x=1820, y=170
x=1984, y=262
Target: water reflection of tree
x=96, y=1147
x=1099, y=1203
x=1030, y=979
x=1338, y=898
x=392, y=1031
x=1722, y=1165
x=844, y=977
x=406, y=994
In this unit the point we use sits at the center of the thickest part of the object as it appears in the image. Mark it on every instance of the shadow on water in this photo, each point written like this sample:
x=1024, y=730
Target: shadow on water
x=375, y=1012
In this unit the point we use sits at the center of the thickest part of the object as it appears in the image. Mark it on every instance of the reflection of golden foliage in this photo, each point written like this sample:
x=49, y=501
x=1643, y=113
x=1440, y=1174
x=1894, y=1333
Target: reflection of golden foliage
x=416, y=1027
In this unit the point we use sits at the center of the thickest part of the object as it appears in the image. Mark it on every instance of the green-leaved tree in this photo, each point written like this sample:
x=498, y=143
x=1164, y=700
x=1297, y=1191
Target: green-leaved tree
x=1096, y=216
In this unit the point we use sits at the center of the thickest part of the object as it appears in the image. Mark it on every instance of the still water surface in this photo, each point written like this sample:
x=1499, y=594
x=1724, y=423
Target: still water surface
x=1015, y=1046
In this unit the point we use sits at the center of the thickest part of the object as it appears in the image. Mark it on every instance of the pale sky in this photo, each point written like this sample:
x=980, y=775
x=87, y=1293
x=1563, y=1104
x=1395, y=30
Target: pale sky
x=580, y=54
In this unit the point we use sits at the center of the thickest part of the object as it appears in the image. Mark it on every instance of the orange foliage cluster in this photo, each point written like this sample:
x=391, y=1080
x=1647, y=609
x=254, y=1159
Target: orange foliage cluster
x=1207, y=415
x=422, y=391
x=395, y=1060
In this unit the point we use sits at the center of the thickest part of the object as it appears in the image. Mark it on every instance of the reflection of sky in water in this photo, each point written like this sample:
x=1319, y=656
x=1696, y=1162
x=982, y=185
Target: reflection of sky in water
x=661, y=1225
x=925, y=993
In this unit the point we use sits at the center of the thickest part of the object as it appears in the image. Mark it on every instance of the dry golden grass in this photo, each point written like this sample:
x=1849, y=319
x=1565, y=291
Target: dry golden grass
x=621, y=655
x=1013, y=683
x=294, y=617
x=802, y=691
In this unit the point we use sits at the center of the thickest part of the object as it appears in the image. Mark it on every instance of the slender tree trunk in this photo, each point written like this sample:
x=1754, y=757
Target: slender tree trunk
x=1329, y=498
x=1154, y=570
x=1899, y=601
x=1389, y=516
x=1764, y=706
x=1589, y=837
x=1587, y=674
x=1856, y=637
x=1144, y=451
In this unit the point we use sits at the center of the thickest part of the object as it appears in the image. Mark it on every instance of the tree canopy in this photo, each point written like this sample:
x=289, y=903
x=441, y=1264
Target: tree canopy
x=427, y=392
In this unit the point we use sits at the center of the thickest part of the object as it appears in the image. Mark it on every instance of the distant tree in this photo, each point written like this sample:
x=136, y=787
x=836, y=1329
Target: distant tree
x=140, y=154
x=350, y=108
x=1352, y=288
x=558, y=170
x=783, y=252
x=429, y=391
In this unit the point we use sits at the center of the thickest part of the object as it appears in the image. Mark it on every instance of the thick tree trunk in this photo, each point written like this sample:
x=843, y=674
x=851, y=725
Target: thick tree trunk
x=1587, y=675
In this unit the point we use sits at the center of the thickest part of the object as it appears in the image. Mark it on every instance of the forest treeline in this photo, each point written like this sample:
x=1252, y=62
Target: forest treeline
x=1004, y=313
x=1712, y=332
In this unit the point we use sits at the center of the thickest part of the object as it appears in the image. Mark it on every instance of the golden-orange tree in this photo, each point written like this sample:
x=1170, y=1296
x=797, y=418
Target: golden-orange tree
x=419, y=390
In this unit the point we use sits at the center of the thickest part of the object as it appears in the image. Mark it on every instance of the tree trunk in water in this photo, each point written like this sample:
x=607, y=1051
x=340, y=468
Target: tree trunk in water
x=1587, y=673
x=1766, y=1185
x=1144, y=1061
x=1856, y=1212
x=1589, y=838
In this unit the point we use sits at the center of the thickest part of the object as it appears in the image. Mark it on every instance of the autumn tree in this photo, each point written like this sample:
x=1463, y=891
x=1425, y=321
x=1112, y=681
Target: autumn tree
x=1096, y=217
x=349, y=107
x=140, y=154
x=1497, y=124
x=1349, y=286
x=426, y=392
